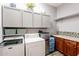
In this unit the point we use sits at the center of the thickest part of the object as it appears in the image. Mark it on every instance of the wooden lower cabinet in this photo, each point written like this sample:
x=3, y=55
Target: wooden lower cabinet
x=78, y=48
x=67, y=47
x=59, y=44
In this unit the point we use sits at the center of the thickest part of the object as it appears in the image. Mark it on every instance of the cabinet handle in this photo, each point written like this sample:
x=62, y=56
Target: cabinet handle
x=10, y=48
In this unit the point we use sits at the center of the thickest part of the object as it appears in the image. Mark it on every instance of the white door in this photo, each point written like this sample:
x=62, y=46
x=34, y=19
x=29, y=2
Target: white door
x=13, y=50
x=37, y=20
x=35, y=48
x=45, y=20
x=12, y=17
x=27, y=19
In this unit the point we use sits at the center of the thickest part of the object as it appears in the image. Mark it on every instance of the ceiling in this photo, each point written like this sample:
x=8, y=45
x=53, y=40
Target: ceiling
x=55, y=4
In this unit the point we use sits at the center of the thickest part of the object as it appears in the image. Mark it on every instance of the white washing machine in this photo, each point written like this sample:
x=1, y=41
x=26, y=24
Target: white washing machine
x=35, y=46
x=13, y=46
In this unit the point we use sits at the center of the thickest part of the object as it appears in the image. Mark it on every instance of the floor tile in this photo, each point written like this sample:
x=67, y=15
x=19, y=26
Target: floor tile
x=56, y=53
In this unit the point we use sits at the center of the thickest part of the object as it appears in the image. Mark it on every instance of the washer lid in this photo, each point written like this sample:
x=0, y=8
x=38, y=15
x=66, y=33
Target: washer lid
x=15, y=37
x=32, y=35
x=30, y=40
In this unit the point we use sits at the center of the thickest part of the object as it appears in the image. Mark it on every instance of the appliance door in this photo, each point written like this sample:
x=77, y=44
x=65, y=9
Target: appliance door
x=13, y=50
x=35, y=48
x=13, y=47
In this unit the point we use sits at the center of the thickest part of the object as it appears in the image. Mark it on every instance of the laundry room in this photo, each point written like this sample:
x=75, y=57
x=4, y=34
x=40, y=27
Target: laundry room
x=39, y=29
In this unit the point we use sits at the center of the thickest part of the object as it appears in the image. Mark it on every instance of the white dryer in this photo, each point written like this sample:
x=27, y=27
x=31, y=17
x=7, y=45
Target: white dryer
x=35, y=46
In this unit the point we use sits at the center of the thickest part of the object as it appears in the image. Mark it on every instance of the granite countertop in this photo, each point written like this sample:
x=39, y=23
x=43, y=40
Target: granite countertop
x=68, y=37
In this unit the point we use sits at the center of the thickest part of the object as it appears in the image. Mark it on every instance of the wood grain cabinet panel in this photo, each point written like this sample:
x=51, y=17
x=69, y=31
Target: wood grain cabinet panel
x=78, y=48
x=67, y=47
x=70, y=48
x=59, y=44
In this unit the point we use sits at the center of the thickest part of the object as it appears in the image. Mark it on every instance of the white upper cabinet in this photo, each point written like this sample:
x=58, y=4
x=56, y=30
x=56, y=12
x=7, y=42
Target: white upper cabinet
x=12, y=17
x=45, y=20
x=37, y=20
x=27, y=19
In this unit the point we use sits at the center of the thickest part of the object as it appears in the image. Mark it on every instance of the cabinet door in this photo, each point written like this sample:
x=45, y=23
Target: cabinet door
x=45, y=21
x=73, y=48
x=70, y=48
x=12, y=17
x=27, y=19
x=37, y=20
x=13, y=50
x=59, y=44
x=56, y=41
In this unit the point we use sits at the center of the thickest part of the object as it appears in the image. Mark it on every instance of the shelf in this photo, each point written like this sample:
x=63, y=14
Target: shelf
x=66, y=17
x=24, y=27
x=12, y=35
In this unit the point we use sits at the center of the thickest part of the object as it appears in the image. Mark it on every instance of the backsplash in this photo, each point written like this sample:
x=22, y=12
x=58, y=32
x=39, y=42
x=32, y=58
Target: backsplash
x=72, y=34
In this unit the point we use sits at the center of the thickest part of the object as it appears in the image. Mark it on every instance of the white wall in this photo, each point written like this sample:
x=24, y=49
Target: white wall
x=52, y=12
x=67, y=9
x=69, y=24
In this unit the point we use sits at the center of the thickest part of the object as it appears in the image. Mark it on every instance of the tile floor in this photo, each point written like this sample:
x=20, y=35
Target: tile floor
x=56, y=53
